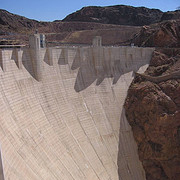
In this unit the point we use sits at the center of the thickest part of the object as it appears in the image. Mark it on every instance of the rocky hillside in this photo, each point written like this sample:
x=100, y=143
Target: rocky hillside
x=14, y=27
x=113, y=36
x=164, y=34
x=171, y=15
x=14, y=23
x=120, y=14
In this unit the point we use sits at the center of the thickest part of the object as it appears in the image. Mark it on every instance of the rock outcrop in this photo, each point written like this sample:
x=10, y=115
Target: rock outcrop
x=164, y=34
x=153, y=111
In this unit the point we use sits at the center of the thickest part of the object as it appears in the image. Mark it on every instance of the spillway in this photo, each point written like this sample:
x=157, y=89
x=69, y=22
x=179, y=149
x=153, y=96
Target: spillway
x=62, y=116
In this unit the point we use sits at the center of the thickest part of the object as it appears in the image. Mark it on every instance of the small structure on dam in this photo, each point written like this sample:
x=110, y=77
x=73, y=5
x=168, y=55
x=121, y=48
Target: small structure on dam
x=97, y=41
x=62, y=113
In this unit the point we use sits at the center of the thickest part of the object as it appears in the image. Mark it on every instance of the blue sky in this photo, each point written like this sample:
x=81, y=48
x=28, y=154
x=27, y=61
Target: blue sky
x=49, y=10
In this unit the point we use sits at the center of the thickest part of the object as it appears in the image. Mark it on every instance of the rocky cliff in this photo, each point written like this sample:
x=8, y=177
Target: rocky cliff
x=153, y=101
x=153, y=111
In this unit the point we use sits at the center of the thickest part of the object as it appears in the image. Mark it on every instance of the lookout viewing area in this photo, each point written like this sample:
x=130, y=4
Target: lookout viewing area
x=62, y=115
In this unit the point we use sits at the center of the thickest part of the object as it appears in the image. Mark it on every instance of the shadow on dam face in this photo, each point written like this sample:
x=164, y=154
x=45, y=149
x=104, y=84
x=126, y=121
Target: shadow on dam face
x=27, y=61
x=96, y=64
x=70, y=124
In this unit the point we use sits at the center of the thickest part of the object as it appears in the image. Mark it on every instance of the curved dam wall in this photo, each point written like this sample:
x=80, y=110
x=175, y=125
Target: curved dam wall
x=62, y=117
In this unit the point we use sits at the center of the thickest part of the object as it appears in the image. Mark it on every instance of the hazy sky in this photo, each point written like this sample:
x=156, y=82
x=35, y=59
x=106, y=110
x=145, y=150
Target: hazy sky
x=49, y=10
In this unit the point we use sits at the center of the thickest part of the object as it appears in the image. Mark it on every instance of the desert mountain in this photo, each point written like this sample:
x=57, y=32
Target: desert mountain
x=87, y=22
x=120, y=14
x=14, y=23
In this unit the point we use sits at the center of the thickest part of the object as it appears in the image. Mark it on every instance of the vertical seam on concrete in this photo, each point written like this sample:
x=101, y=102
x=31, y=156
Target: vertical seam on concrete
x=89, y=139
x=12, y=114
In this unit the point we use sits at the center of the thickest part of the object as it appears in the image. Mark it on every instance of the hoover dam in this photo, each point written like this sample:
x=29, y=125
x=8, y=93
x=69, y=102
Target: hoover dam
x=62, y=115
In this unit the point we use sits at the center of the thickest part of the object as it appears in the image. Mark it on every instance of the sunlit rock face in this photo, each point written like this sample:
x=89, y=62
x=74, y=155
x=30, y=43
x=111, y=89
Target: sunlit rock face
x=153, y=111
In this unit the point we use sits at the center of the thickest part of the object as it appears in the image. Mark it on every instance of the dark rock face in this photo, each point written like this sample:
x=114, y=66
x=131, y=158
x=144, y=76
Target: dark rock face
x=16, y=21
x=120, y=14
x=164, y=34
x=2, y=22
x=170, y=15
x=17, y=27
x=153, y=111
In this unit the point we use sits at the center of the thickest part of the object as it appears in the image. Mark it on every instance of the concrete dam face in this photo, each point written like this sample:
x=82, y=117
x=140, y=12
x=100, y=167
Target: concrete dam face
x=62, y=116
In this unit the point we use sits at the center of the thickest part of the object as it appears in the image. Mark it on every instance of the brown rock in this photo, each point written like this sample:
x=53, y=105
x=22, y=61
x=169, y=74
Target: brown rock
x=165, y=34
x=119, y=14
x=153, y=111
x=158, y=59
